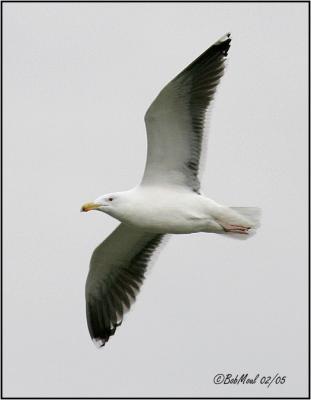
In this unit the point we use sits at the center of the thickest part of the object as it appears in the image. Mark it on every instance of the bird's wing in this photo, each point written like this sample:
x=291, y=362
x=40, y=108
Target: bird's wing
x=116, y=273
x=175, y=120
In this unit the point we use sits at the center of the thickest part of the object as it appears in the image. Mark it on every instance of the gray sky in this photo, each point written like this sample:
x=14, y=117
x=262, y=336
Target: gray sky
x=78, y=79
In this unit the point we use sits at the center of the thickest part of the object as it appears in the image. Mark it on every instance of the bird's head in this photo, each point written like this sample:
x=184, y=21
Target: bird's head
x=109, y=203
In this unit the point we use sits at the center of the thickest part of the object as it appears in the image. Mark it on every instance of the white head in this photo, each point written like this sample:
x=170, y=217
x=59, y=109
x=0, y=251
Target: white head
x=112, y=203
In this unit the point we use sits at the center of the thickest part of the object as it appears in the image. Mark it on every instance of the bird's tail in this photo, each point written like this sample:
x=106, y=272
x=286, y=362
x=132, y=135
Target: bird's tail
x=251, y=216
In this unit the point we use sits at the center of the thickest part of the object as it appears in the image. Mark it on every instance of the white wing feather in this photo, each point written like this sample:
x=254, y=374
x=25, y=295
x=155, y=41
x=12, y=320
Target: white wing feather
x=175, y=120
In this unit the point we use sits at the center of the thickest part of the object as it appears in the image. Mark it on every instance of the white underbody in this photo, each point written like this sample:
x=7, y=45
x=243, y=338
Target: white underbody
x=174, y=210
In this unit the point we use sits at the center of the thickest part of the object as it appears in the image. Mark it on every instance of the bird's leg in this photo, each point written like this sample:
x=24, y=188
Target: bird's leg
x=236, y=228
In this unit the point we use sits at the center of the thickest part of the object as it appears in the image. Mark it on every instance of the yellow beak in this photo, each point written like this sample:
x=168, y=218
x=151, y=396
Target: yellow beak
x=89, y=206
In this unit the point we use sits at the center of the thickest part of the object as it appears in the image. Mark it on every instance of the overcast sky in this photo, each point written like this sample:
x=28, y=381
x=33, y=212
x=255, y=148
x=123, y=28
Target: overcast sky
x=77, y=81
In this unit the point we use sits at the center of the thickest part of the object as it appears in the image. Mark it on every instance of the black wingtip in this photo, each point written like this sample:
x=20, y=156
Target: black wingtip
x=224, y=44
x=99, y=343
x=225, y=37
x=102, y=340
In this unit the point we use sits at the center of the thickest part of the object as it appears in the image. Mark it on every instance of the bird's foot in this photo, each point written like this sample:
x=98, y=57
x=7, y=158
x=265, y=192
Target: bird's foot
x=236, y=228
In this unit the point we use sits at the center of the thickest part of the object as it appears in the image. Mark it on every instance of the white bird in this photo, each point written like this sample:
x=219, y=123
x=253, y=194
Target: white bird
x=168, y=200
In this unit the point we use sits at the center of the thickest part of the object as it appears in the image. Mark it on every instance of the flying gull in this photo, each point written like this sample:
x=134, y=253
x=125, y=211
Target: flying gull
x=167, y=201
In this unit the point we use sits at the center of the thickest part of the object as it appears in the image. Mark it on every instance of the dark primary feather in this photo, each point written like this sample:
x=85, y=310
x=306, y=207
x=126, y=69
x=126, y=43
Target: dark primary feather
x=116, y=273
x=179, y=112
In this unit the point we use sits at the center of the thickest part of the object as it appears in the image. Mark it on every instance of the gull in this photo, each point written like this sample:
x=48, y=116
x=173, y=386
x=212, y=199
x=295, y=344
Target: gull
x=167, y=201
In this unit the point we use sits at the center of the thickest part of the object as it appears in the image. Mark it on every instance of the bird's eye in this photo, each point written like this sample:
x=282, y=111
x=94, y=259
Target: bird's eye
x=110, y=199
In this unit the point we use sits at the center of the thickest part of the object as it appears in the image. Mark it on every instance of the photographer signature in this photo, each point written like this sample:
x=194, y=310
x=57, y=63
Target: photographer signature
x=245, y=379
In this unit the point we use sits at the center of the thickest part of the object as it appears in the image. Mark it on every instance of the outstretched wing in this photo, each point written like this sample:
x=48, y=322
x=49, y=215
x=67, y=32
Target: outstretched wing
x=175, y=120
x=116, y=273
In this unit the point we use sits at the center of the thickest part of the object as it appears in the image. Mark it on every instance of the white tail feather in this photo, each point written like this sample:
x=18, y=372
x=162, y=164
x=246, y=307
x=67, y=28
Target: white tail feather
x=251, y=214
